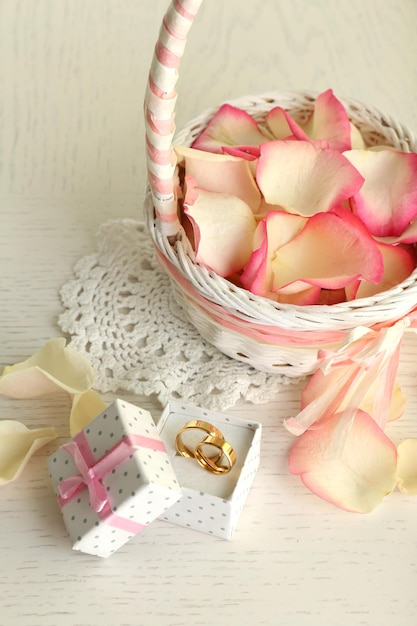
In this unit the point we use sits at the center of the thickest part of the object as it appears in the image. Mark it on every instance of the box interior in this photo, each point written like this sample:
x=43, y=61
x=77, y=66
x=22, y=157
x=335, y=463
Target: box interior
x=189, y=472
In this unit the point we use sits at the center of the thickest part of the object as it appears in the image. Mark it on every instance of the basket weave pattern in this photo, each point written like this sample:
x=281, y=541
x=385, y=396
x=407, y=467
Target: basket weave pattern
x=272, y=337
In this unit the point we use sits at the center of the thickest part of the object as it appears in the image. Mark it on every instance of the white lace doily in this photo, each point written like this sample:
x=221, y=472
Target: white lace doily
x=119, y=312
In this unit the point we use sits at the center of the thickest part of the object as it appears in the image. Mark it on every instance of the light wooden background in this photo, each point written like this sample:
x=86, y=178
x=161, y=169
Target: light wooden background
x=72, y=78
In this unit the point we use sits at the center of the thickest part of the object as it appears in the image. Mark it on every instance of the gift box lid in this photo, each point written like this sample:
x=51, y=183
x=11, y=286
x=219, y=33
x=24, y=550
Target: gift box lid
x=113, y=479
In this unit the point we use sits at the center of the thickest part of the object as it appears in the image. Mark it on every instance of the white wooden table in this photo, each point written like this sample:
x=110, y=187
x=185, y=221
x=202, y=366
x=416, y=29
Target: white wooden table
x=72, y=77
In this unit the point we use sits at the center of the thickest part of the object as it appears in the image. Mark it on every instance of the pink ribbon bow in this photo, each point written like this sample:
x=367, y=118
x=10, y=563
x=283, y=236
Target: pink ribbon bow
x=92, y=472
x=89, y=477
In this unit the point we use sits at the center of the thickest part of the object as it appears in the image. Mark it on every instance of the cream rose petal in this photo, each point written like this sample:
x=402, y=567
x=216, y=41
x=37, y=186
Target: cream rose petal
x=305, y=178
x=355, y=477
x=85, y=407
x=17, y=445
x=387, y=201
x=407, y=466
x=53, y=367
x=221, y=173
x=356, y=139
x=230, y=126
x=223, y=226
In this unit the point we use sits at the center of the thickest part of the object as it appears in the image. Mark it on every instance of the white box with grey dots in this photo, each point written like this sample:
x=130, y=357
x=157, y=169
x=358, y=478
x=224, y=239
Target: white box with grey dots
x=113, y=479
x=211, y=503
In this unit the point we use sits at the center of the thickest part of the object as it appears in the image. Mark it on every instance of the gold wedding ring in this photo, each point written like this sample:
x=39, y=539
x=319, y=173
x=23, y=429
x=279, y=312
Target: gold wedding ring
x=208, y=428
x=211, y=464
x=224, y=456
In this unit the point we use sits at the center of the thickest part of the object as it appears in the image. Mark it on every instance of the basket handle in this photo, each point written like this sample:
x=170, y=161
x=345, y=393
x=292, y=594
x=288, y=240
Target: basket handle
x=160, y=99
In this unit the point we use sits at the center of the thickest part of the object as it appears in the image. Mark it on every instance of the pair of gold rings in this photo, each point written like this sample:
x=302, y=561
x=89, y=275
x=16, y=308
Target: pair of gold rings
x=224, y=456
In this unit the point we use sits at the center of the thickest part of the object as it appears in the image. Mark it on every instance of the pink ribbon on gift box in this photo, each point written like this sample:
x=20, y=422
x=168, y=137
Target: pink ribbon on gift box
x=92, y=472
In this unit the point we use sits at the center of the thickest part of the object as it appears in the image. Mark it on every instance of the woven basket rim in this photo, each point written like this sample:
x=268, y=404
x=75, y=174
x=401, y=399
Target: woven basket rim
x=341, y=310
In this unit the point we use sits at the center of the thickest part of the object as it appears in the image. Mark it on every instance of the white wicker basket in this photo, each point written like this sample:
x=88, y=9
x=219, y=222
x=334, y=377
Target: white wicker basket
x=272, y=337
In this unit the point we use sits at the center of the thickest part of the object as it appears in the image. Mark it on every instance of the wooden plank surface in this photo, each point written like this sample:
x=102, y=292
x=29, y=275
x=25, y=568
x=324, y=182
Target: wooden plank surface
x=72, y=77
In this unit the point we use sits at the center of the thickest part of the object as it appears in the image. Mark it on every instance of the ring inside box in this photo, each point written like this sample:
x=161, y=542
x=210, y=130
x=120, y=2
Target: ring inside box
x=189, y=472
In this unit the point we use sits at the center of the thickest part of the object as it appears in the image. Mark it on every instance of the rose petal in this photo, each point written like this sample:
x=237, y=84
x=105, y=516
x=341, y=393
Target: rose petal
x=255, y=270
x=303, y=297
x=409, y=235
x=331, y=296
x=17, y=445
x=329, y=121
x=317, y=406
x=223, y=228
x=274, y=231
x=398, y=265
x=329, y=252
x=230, y=126
x=387, y=201
x=283, y=126
x=407, y=466
x=355, y=478
x=356, y=139
x=304, y=178
x=52, y=368
x=380, y=147
x=221, y=173
x=85, y=407
x=349, y=217
x=248, y=153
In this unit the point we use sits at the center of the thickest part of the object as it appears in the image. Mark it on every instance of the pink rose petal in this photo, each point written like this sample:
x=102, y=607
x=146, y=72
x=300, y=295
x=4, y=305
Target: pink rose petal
x=304, y=178
x=230, y=126
x=407, y=466
x=330, y=121
x=329, y=252
x=223, y=228
x=398, y=265
x=221, y=173
x=283, y=126
x=387, y=201
x=250, y=153
x=409, y=235
x=357, y=476
x=274, y=231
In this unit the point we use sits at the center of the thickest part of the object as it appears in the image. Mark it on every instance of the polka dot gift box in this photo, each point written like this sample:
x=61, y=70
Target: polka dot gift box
x=113, y=479
x=211, y=503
